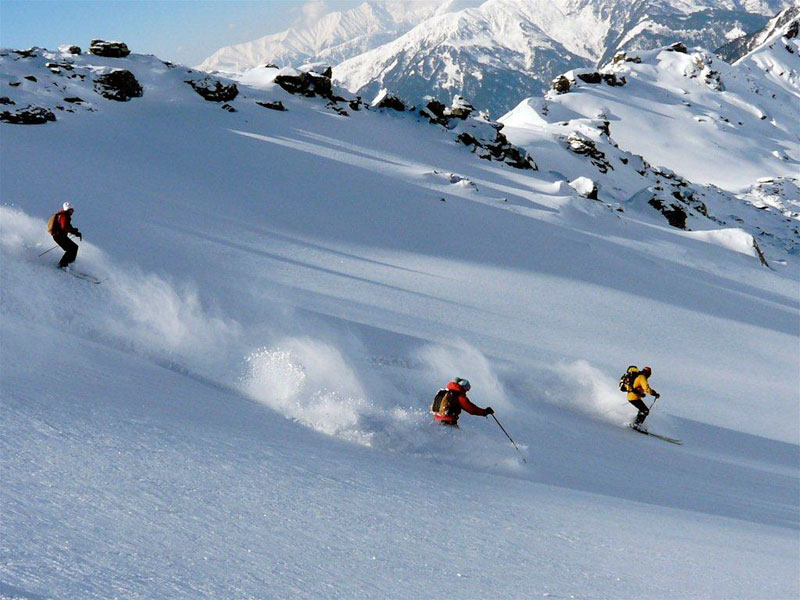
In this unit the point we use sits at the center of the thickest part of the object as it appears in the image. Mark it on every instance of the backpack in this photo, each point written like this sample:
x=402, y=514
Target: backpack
x=627, y=379
x=53, y=226
x=446, y=403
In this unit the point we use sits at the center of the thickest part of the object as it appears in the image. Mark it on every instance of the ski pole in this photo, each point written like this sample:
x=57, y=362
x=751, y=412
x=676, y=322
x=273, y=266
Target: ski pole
x=509, y=437
x=46, y=251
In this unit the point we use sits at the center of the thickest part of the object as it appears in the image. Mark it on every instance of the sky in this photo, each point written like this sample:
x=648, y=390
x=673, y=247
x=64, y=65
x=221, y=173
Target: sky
x=184, y=32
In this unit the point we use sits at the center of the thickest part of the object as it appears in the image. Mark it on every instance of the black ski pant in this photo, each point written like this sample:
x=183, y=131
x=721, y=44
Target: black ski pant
x=70, y=249
x=643, y=410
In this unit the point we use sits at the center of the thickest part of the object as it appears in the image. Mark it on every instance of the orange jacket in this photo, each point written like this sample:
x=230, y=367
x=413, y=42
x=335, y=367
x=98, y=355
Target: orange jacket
x=64, y=223
x=464, y=403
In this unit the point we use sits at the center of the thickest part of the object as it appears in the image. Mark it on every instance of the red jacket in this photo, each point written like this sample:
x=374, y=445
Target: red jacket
x=64, y=223
x=465, y=403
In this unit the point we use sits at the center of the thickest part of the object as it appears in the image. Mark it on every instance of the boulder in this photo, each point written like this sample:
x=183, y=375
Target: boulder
x=306, y=83
x=69, y=49
x=621, y=57
x=109, y=49
x=214, y=90
x=30, y=115
x=678, y=47
x=31, y=78
x=561, y=84
x=119, y=85
x=585, y=187
x=7, y=100
x=385, y=99
x=74, y=100
x=277, y=105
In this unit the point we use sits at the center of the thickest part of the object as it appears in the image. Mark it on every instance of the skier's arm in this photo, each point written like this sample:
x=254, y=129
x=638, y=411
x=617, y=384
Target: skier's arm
x=471, y=408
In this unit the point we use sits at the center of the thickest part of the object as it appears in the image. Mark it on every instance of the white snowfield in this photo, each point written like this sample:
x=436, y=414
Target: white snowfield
x=240, y=409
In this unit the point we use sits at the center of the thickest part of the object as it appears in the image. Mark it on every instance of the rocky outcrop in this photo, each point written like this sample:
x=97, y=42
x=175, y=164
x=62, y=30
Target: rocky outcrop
x=7, y=100
x=69, y=49
x=596, y=77
x=109, y=49
x=385, y=99
x=214, y=90
x=307, y=83
x=30, y=115
x=677, y=47
x=580, y=144
x=119, y=85
x=277, y=105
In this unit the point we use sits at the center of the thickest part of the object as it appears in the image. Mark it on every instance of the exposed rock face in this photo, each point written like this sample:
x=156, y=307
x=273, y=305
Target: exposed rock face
x=30, y=115
x=678, y=47
x=277, y=105
x=674, y=213
x=119, y=85
x=6, y=100
x=595, y=77
x=580, y=144
x=460, y=108
x=69, y=49
x=29, y=53
x=385, y=99
x=214, y=90
x=74, y=100
x=109, y=49
x=307, y=83
x=621, y=57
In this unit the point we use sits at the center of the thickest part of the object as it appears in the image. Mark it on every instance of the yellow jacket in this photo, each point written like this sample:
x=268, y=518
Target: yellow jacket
x=641, y=388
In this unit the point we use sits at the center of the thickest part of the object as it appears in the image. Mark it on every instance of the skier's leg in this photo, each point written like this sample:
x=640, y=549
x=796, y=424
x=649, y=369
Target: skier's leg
x=643, y=411
x=70, y=250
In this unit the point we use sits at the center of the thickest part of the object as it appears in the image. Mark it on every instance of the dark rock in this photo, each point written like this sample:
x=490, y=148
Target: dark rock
x=214, y=90
x=612, y=80
x=109, y=49
x=675, y=215
x=119, y=85
x=30, y=78
x=271, y=66
x=307, y=84
x=7, y=100
x=61, y=65
x=386, y=99
x=678, y=47
x=561, y=84
x=30, y=115
x=580, y=144
x=355, y=104
x=29, y=53
x=621, y=57
x=277, y=105
x=467, y=139
x=70, y=49
x=436, y=108
x=14, y=83
x=337, y=109
x=228, y=107
x=74, y=100
x=593, y=77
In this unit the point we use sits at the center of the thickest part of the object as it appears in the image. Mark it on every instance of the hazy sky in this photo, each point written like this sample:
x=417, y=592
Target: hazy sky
x=180, y=31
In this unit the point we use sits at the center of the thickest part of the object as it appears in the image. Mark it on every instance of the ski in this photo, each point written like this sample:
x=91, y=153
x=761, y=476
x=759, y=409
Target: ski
x=657, y=435
x=84, y=276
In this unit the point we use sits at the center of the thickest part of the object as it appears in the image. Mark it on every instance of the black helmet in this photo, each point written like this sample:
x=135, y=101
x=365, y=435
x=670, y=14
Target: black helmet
x=463, y=383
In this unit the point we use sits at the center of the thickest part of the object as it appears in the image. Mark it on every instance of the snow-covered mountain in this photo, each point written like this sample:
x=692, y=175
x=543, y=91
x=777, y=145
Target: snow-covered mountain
x=240, y=408
x=333, y=38
x=505, y=50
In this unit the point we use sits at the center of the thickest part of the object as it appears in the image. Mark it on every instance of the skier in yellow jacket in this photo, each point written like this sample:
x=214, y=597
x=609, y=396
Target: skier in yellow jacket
x=640, y=389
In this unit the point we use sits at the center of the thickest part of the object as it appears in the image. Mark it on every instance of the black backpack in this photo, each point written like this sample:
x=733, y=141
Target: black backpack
x=446, y=403
x=628, y=378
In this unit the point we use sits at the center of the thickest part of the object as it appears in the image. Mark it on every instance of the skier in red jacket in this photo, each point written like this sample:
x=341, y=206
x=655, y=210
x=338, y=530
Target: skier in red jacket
x=450, y=402
x=60, y=226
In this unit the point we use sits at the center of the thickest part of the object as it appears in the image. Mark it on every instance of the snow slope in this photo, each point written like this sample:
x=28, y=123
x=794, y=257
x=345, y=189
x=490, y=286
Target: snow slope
x=240, y=408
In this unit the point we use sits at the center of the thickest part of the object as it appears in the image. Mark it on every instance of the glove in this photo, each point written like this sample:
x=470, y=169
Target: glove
x=656, y=395
x=80, y=236
x=489, y=411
